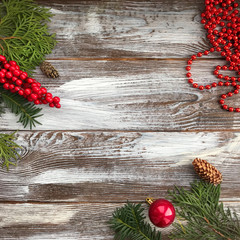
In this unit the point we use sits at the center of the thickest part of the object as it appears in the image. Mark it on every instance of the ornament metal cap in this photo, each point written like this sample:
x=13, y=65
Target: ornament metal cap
x=149, y=200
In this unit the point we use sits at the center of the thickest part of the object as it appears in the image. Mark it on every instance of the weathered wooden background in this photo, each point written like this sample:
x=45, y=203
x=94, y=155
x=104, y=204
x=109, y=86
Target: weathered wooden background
x=129, y=126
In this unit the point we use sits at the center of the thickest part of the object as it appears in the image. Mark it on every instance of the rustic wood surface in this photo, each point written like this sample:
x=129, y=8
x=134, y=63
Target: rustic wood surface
x=129, y=126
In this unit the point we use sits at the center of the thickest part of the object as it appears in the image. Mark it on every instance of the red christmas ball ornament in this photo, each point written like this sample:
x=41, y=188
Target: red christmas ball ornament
x=161, y=212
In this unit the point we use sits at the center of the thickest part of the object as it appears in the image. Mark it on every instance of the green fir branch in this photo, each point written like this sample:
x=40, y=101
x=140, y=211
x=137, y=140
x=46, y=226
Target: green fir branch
x=202, y=215
x=128, y=223
x=8, y=150
x=1, y=105
x=24, y=34
x=26, y=111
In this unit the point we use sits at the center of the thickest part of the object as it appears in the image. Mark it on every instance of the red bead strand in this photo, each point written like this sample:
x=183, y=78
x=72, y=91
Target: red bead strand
x=221, y=19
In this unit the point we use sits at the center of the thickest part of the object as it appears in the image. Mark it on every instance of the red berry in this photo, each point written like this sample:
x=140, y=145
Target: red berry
x=35, y=89
x=12, y=63
x=7, y=66
x=56, y=99
x=27, y=91
x=18, y=82
x=58, y=105
x=12, y=69
x=2, y=74
x=24, y=73
x=29, y=98
x=16, y=73
x=17, y=89
x=14, y=79
x=34, y=96
x=23, y=76
x=20, y=92
x=2, y=58
x=188, y=68
x=231, y=109
x=43, y=90
x=9, y=75
x=221, y=101
x=37, y=102
x=11, y=86
x=49, y=99
x=49, y=95
x=51, y=105
x=2, y=80
x=6, y=85
x=30, y=80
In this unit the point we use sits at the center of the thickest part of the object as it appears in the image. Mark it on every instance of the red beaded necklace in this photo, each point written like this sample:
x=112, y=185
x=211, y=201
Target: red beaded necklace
x=222, y=21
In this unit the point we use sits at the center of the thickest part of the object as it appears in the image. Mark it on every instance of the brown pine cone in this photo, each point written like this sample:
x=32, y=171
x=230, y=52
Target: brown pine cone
x=49, y=70
x=207, y=171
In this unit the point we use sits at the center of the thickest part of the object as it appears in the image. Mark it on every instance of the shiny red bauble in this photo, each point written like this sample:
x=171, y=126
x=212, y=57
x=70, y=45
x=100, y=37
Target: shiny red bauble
x=161, y=212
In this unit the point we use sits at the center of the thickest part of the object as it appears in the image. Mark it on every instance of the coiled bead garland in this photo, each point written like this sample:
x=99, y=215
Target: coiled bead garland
x=222, y=21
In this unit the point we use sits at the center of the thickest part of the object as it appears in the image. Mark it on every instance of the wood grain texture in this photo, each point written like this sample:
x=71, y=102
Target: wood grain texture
x=129, y=126
x=156, y=29
x=115, y=166
x=62, y=221
x=133, y=95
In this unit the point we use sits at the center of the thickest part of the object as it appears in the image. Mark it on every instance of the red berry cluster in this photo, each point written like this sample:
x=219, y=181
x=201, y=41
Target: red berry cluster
x=17, y=81
x=222, y=21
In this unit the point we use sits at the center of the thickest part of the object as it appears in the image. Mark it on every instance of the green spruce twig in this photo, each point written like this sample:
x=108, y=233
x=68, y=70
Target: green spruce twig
x=128, y=223
x=24, y=34
x=26, y=111
x=202, y=215
x=1, y=106
x=8, y=150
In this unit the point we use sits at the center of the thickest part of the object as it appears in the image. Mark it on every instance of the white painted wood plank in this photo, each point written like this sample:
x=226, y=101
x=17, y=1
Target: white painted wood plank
x=62, y=221
x=115, y=166
x=129, y=95
x=158, y=28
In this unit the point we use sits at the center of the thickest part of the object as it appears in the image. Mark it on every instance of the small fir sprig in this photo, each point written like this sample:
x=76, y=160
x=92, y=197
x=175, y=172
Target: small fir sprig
x=24, y=34
x=205, y=217
x=128, y=223
x=8, y=150
x=1, y=105
x=26, y=111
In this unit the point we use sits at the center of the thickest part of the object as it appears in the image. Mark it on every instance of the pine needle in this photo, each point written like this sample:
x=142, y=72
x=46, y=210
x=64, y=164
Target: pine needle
x=24, y=34
x=26, y=111
x=205, y=217
x=8, y=150
x=128, y=223
x=1, y=107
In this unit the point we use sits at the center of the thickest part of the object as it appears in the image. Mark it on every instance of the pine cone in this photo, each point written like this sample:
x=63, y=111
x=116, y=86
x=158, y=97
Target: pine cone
x=207, y=171
x=49, y=70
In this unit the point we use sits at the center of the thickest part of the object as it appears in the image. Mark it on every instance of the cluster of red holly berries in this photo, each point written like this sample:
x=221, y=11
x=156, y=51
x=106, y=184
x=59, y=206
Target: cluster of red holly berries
x=222, y=21
x=17, y=81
